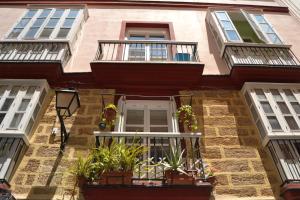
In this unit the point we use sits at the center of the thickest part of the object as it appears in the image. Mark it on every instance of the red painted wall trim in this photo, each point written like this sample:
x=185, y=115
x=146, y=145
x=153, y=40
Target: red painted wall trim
x=172, y=4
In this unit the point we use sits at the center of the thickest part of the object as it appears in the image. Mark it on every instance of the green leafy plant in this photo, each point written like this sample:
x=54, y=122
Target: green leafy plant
x=174, y=161
x=82, y=167
x=186, y=116
x=117, y=156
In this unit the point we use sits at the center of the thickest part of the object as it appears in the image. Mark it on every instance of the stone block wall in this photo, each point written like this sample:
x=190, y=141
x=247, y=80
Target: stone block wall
x=230, y=144
x=232, y=147
x=43, y=173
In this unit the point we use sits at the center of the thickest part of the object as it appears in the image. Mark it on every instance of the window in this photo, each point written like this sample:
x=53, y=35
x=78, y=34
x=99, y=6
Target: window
x=20, y=102
x=46, y=23
x=147, y=51
x=149, y=116
x=241, y=26
x=276, y=106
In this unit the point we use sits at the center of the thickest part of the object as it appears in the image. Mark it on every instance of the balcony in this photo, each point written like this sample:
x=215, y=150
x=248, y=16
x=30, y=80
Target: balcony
x=261, y=62
x=33, y=59
x=148, y=181
x=285, y=154
x=147, y=63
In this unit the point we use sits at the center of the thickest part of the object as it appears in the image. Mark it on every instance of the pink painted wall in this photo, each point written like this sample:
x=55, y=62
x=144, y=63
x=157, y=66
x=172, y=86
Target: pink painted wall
x=104, y=23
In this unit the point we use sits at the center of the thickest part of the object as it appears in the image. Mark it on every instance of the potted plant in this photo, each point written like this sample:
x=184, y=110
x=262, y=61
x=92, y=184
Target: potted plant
x=118, y=160
x=174, y=168
x=108, y=116
x=82, y=170
x=186, y=116
x=209, y=175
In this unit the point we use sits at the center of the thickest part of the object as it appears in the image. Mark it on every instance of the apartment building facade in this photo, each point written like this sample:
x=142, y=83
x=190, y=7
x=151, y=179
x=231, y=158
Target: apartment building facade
x=236, y=63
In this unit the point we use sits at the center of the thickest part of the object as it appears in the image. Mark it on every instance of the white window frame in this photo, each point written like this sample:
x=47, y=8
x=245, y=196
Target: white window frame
x=147, y=32
x=75, y=29
x=21, y=131
x=221, y=38
x=286, y=132
x=146, y=105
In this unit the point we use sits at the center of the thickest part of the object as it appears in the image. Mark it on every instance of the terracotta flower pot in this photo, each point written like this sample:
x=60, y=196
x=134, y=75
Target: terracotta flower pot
x=81, y=181
x=177, y=178
x=116, y=178
x=110, y=114
x=211, y=180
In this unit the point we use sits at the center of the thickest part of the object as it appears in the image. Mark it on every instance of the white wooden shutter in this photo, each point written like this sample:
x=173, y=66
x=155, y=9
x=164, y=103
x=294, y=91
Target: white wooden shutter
x=255, y=27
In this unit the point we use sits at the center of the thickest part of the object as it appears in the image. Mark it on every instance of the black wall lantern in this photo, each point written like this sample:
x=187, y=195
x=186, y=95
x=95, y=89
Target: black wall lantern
x=67, y=102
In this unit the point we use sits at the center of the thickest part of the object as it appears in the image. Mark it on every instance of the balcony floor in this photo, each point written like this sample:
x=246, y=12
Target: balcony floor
x=176, y=75
x=138, y=192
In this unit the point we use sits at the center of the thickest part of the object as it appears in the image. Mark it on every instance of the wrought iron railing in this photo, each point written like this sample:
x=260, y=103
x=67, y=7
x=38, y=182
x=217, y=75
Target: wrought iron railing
x=158, y=145
x=147, y=50
x=260, y=55
x=35, y=51
x=286, y=153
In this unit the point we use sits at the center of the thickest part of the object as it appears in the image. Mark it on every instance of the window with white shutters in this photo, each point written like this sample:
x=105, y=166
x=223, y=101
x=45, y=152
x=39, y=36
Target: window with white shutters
x=47, y=23
x=276, y=107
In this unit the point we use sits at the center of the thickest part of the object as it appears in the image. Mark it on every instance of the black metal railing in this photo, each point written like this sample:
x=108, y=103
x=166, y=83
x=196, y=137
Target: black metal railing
x=286, y=153
x=158, y=145
x=147, y=50
x=34, y=51
x=268, y=56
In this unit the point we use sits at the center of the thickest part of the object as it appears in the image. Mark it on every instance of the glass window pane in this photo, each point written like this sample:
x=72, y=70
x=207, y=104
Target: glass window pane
x=15, y=33
x=134, y=129
x=7, y=103
x=38, y=22
x=36, y=111
x=46, y=33
x=156, y=37
x=2, y=89
x=29, y=126
x=227, y=25
x=276, y=95
x=266, y=107
x=45, y=13
x=260, y=18
x=23, y=23
x=31, y=33
x=2, y=115
x=42, y=97
x=221, y=15
x=135, y=117
x=136, y=37
x=30, y=13
x=291, y=122
x=273, y=37
x=296, y=107
x=159, y=129
x=158, y=117
x=14, y=91
x=274, y=122
x=266, y=28
x=52, y=23
x=16, y=120
x=260, y=94
x=24, y=104
x=283, y=107
x=30, y=91
x=68, y=23
x=58, y=13
x=290, y=95
x=73, y=13
x=63, y=32
x=232, y=35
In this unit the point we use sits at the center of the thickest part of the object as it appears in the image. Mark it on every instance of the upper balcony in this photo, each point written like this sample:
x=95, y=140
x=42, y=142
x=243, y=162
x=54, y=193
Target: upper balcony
x=147, y=62
x=257, y=62
x=251, y=47
x=33, y=59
